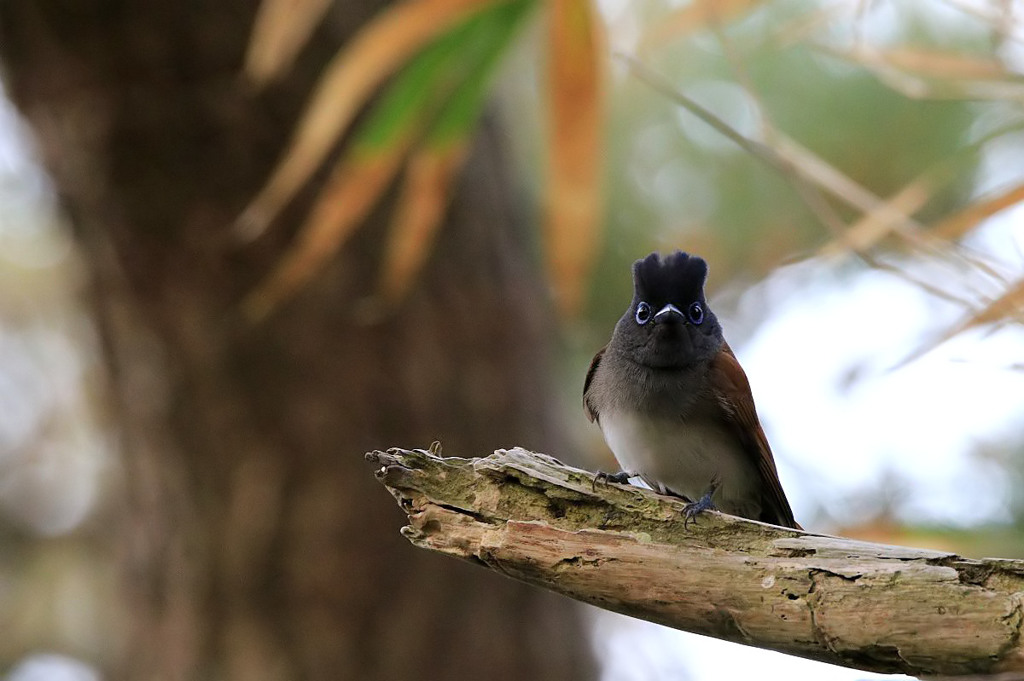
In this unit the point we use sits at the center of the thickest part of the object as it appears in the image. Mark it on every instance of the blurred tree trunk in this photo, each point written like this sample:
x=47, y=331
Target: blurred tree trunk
x=254, y=542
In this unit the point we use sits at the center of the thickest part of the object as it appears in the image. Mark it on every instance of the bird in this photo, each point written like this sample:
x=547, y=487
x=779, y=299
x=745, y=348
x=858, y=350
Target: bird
x=674, y=404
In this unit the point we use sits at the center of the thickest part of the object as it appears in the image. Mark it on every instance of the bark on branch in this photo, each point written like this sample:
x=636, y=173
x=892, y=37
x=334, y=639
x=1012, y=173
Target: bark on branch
x=868, y=606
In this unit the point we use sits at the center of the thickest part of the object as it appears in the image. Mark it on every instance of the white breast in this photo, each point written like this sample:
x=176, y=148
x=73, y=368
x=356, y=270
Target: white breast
x=684, y=456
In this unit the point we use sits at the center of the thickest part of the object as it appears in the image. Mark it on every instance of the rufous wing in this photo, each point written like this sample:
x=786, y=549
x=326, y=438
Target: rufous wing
x=732, y=389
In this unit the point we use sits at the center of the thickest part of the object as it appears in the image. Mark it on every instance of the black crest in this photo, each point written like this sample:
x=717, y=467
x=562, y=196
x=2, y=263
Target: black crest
x=678, y=277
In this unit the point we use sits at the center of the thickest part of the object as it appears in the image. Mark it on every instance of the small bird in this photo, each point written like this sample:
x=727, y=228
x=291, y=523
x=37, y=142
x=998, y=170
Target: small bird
x=674, y=404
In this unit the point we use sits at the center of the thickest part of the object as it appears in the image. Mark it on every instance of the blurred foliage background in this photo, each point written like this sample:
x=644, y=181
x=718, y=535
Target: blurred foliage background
x=851, y=170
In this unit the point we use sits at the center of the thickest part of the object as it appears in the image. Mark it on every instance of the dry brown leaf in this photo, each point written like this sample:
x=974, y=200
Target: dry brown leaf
x=920, y=74
x=955, y=226
x=350, y=78
x=576, y=82
x=808, y=171
x=800, y=29
x=1010, y=305
x=419, y=213
x=922, y=62
x=695, y=16
x=821, y=173
x=352, y=190
x=282, y=27
x=879, y=223
x=790, y=158
x=938, y=63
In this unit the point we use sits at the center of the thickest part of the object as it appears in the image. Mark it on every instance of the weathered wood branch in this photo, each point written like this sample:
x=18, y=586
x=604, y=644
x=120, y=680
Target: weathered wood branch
x=868, y=606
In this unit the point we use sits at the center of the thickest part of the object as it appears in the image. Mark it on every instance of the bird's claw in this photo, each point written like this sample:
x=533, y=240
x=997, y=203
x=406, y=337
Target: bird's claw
x=695, y=508
x=622, y=477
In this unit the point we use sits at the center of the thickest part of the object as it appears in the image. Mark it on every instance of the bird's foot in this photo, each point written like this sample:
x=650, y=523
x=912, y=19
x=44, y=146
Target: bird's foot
x=695, y=508
x=622, y=477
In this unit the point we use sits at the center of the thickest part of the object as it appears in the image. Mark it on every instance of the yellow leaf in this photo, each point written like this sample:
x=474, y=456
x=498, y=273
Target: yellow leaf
x=695, y=16
x=419, y=213
x=576, y=81
x=281, y=28
x=351, y=191
x=960, y=223
x=348, y=81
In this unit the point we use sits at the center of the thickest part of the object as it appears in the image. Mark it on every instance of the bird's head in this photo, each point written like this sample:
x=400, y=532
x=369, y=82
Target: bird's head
x=668, y=323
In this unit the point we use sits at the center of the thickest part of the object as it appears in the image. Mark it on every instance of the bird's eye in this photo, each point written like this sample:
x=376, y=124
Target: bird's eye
x=643, y=313
x=695, y=313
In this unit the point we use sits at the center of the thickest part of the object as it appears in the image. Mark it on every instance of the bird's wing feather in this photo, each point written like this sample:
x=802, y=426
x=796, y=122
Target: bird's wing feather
x=732, y=389
x=588, y=407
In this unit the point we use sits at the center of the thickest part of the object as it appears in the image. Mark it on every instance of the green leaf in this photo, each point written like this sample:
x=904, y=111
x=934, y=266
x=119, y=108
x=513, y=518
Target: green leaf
x=401, y=107
x=443, y=88
x=482, y=51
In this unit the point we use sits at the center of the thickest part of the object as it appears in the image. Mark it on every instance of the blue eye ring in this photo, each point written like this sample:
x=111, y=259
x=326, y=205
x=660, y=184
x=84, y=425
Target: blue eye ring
x=695, y=313
x=644, y=313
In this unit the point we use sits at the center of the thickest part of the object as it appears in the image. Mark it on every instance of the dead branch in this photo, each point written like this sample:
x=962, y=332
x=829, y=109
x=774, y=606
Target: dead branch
x=868, y=606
